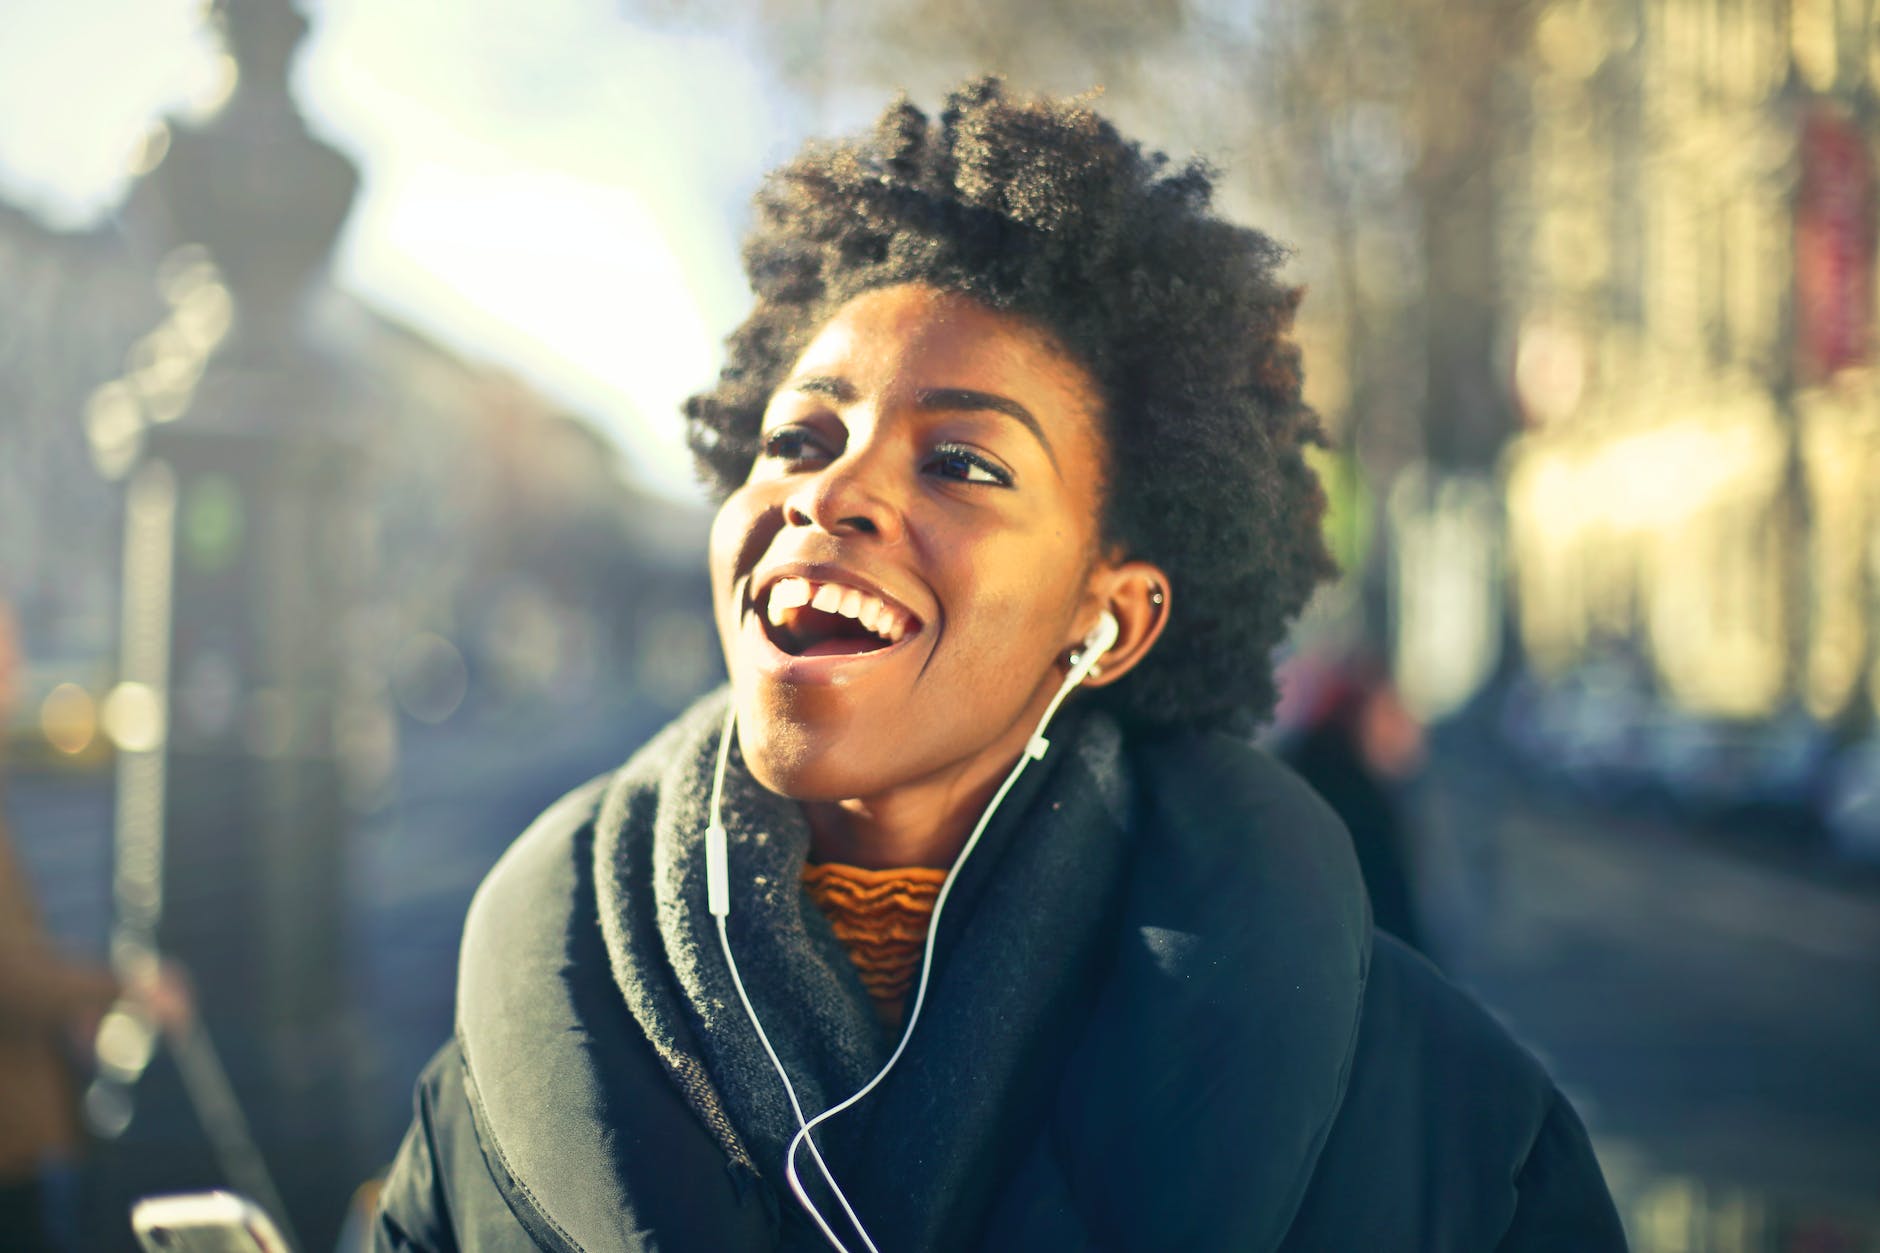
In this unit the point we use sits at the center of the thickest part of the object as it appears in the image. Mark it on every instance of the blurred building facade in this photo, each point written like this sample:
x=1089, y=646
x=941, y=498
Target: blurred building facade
x=1692, y=286
x=1592, y=325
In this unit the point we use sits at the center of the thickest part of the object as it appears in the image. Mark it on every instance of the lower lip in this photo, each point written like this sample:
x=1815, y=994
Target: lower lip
x=773, y=663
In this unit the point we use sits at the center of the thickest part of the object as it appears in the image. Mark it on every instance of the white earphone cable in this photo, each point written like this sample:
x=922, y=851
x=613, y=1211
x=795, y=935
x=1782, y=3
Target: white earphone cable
x=718, y=894
x=796, y=1107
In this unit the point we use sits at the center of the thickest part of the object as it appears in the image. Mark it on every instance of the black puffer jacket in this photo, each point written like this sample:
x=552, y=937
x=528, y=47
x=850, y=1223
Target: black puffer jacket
x=1220, y=1056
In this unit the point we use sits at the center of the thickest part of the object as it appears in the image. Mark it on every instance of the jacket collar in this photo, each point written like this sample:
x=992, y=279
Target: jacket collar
x=530, y=1065
x=1209, y=1077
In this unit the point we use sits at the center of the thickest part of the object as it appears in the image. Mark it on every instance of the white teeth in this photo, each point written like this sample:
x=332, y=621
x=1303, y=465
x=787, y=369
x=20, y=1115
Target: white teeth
x=788, y=594
x=874, y=615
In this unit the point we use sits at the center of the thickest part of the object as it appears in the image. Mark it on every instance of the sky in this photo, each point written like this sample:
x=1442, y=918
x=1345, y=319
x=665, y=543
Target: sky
x=545, y=186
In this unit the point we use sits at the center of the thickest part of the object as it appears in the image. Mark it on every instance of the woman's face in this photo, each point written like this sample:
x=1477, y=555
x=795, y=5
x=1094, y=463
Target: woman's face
x=913, y=552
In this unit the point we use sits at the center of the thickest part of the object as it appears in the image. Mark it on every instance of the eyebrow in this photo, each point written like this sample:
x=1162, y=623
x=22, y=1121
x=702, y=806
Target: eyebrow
x=823, y=385
x=939, y=399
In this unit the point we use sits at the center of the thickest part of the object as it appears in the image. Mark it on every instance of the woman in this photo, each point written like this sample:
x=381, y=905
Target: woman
x=1014, y=418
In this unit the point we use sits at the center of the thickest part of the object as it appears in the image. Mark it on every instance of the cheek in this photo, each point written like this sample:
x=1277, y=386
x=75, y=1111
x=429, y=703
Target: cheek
x=734, y=544
x=721, y=552
x=1012, y=625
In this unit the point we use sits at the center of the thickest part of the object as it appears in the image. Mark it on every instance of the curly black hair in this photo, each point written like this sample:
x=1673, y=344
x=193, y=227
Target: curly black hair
x=1040, y=208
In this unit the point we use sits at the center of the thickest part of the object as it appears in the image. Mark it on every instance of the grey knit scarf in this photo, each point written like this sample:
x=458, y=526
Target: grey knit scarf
x=1021, y=941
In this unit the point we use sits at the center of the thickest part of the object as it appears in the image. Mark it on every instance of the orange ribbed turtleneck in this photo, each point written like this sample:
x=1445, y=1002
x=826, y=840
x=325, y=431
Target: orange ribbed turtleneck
x=881, y=918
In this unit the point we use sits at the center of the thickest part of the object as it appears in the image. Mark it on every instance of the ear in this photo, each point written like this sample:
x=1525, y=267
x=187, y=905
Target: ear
x=1137, y=592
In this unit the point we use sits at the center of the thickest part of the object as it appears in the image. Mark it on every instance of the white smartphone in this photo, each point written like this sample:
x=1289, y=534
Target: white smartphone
x=205, y=1222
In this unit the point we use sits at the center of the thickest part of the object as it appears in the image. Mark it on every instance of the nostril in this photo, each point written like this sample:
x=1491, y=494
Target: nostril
x=865, y=525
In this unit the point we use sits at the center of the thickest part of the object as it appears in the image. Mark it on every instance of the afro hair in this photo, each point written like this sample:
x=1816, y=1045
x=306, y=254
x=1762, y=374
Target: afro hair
x=1041, y=209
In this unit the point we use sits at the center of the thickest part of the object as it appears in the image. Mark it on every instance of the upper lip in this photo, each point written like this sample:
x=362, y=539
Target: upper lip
x=828, y=572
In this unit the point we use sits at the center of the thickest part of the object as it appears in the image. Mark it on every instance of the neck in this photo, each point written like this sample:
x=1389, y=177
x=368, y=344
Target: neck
x=922, y=823
x=924, y=826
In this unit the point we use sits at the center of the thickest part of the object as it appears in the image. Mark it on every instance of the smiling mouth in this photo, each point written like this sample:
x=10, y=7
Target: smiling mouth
x=805, y=618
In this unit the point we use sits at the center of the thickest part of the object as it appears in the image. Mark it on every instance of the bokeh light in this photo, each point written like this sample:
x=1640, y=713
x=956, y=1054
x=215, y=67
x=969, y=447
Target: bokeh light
x=68, y=718
x=429, y=677
x=134, y=717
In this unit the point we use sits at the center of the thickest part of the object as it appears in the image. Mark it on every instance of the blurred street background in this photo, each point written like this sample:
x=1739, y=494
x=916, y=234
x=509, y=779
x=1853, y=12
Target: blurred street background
x=345, y=518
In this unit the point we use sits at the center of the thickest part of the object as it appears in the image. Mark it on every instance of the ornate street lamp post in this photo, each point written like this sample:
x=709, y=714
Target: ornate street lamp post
x=238, y=570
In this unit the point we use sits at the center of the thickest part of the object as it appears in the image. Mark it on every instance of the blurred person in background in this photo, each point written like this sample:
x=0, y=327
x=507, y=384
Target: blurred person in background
x=1351, y=738
x=50, y=1008
x=50, y=1005
x=1015, y=418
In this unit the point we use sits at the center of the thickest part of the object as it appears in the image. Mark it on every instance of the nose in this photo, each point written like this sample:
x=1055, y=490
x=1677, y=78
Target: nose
x=852, y=495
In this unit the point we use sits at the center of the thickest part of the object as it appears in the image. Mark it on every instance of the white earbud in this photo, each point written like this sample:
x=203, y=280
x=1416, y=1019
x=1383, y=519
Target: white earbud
x=1084, y=657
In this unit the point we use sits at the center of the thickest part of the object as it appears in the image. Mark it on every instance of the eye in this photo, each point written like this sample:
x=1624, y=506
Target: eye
x=793, y=444
x=956, y=461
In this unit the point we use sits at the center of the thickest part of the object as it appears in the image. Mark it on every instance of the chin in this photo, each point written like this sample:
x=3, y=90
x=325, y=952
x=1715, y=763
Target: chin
x=794, y=752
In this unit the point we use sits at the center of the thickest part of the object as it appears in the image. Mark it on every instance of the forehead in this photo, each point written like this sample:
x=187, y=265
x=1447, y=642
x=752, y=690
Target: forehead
x=924, y=337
